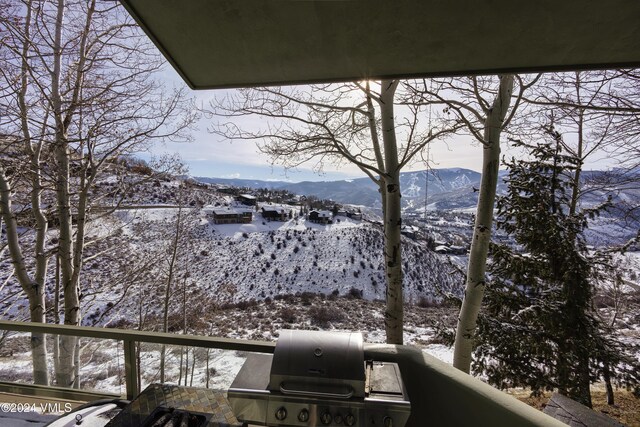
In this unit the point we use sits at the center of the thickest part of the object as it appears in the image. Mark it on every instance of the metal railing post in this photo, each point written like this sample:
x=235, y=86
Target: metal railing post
x=130, y=369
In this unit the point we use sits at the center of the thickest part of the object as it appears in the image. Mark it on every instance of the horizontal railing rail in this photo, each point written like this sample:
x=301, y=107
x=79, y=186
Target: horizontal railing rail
x=130, y=337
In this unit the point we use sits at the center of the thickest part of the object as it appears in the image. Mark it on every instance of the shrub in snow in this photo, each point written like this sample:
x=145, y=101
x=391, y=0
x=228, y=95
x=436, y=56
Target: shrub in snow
x=288, y=315
x=355, y=293
x=321, y=316
x=306, y=298
x=428, y=302
x=243, y=305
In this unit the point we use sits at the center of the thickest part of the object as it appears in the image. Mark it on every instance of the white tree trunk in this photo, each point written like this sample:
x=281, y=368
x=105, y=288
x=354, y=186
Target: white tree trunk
x=167, y=293
x=39, y=341
x=65, y=376
x=394, y=314
x=475, y=285
x=33, y=287
x=70, y=261
x=35, y=292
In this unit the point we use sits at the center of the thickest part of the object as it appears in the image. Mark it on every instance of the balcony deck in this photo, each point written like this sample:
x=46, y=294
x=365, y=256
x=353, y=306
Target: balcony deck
x=438, y=392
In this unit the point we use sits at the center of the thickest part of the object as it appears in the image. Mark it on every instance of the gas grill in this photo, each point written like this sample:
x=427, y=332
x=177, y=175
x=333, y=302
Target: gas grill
x=319, y=379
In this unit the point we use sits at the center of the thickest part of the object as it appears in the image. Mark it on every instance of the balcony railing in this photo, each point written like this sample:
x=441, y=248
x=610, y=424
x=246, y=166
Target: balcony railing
x=439, y=393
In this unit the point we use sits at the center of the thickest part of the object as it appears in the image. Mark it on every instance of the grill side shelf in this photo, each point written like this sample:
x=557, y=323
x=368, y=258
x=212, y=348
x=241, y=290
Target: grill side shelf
x=254, y=374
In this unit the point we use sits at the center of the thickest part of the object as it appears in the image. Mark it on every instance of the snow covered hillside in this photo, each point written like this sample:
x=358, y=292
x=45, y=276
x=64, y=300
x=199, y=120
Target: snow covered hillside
x=231, y=263
x=128, y=250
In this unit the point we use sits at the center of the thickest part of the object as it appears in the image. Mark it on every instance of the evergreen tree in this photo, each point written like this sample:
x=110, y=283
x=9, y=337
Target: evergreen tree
x=538, y=327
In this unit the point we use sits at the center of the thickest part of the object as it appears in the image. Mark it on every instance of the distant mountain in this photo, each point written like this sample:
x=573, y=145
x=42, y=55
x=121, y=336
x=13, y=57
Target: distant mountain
x=236, y=182
x=445, y=189
x=362, y=191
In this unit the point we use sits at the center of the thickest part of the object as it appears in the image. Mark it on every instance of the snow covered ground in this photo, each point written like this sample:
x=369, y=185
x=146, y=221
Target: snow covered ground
x=245, y=281
x=229, y=263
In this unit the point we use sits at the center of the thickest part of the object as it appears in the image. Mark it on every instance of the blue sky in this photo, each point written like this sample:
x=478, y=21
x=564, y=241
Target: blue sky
x=210, y=155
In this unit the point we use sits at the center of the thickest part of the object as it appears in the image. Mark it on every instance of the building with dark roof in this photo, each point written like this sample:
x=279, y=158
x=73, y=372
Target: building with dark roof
x=232, y=216
x=247, y=199
x=276, y=213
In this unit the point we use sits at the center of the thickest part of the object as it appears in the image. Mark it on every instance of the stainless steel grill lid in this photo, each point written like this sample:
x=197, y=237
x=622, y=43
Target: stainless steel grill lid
x=322, y=363
x=318, y=363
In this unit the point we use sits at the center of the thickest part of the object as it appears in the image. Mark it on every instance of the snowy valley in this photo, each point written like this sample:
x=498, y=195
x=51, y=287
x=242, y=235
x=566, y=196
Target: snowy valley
x=247, y=280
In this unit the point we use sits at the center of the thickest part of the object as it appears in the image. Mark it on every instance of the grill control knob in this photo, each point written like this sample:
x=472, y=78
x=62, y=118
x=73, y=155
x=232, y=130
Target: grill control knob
x=337, y=419
x=387, y=422
x=303, y=416
x=281, y=413
x=326, y=418
x=350, y=419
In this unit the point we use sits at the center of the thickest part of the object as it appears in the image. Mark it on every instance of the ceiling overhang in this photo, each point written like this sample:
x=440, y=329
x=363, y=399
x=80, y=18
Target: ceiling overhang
x=235, y=43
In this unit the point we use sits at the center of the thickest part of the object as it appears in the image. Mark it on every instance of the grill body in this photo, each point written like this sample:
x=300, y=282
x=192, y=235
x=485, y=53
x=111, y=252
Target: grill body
x=317, y=378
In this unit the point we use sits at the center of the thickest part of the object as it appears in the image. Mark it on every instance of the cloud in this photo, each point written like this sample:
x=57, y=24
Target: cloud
x=232, y=176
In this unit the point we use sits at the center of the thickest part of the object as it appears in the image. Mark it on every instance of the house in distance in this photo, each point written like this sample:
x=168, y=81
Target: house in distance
x=247, y=199
x=321, y=217
x=232, y=216
x=276, y=213
x=357, y=215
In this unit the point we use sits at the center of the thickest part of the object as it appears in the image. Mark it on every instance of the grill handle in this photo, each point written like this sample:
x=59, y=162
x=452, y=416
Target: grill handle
x=310, y=393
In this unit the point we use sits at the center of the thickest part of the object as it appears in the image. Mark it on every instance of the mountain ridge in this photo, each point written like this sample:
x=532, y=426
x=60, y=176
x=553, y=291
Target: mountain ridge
x=363, y=191
x=439, y=189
